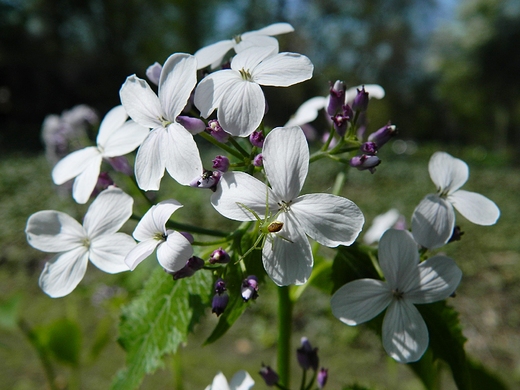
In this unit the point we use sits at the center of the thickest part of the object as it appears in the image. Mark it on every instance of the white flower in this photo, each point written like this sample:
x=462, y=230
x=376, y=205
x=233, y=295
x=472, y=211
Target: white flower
x=331, y=220
x=381, y=224
x=240, y=381
x=214, y=53
x=173, y=249
x=405, y=335
x=96, y=240
x=236, y=92
x=116, y=137
x=434, y=218
x=309, y=110
x=169, y=145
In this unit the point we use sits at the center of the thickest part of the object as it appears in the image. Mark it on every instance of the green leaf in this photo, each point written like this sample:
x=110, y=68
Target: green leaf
x=158, y=320
x=9, y=312
x=63, y=339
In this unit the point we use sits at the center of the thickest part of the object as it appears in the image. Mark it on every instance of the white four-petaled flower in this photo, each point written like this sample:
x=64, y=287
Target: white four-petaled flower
x=116, y=137
x=214, y=53
x=433, y=219
x=173, y=249
x=408, y=282
x=96, y=240
x=240, y=381
x=331, y=220
x=236, y=92
x=169, y=145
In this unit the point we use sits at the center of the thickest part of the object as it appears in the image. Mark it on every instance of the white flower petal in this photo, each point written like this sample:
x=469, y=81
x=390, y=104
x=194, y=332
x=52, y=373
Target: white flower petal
x=286, y=167
x=398, y=258
x=241, y=381
x=360, y=301
x=448, y=173
x=182, y=159
x=140, y=252
x=109, y=211
x=272, y=29
x=112, y=121
x=250, y=57
x=257, y=41
x=381, y=224
x=108, y=252
x=405, y=335
x=287, y=255
x=439, y=278
x=174, y=252
x=54, y=231
x=242, y=108
x=125, y=139
x=219, y=383
x=212, y=88
x=213, y=53
x=178, y=78
x=475, y=208
x=236, y=189
x=61, y=276
x=331, y=220
x=308, y=111
x=73, y=164
x=433, y=221
x=283, y=70
x=86, y=181
x=150, y=161
x=141, y=103
x=374, y=91
x=154, y=221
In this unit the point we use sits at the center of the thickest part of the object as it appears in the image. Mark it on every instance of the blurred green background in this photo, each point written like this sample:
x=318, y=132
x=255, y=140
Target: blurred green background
x=451, y=74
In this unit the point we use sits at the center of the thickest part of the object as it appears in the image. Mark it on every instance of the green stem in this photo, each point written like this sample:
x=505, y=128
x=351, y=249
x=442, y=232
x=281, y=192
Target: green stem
x=284, y=335
x=237, y=146
x=195, y=229
x=32, y=337
x=222, y=146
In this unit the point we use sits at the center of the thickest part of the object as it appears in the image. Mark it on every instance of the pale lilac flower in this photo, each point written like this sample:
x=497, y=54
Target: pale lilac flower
x=173, y=249
x=309, y=110
x=434, y=218
x=240, y=381
x=214, y=53
x=169, y=145
x=328, y=219
x=408, y=282
x=116, y=137
x=75, y=245
x=153, y=72
x=236, y=92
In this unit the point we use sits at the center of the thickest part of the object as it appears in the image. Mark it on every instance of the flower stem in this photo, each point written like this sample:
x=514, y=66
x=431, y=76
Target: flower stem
x=237, y=146
x=222, y=146
x=285, y=307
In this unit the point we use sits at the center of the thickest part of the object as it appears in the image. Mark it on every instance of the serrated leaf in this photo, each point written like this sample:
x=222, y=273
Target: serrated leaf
x=158, y=321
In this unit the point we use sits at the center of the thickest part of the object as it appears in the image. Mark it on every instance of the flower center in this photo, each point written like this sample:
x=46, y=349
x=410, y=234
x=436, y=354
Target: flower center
x=165, y=122
x=86, y=242
x=398, y=294
x=160, y=236
x=245, y=74
x=284, y=206
x=237, y=38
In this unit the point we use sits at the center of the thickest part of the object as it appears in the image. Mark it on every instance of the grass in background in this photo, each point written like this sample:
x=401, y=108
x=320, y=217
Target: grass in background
x=487, y=299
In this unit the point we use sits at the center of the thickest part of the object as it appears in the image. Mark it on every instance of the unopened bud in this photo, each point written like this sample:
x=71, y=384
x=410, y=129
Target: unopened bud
x=336, y=97
x=365, y=162
x=192, y=265
x=383, y=135
x=217, y=131
x=257, y=139
x=193, y=125
x=258, y=161
x=121, y=164
x=220, y=286
x=340, y=124
x=307, y=356
x=221, y=163
x=249, y=288
x=360, y=102
x=322, y=377
x=104, y=181
x=369, y=148
x=270, y=377
x=219, y=256
x=219, y=303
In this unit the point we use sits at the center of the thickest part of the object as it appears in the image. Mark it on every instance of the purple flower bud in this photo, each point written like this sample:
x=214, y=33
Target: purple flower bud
x=269, y=375
x=153, y=72
x=340, y=124
x=307, y=356
x=208, y=179
x=249, y=288
x=193, y=125
x=360, y=102
x=219, y=304
x=217, y=131
x=258, y=161
x=220, y=286
x=383, y=135
x=219, y=256
x=323, y=375
x=192, y=265
x=369, y=148
x=336, y=97
x=104, y=181
x=364, y=162
x=257, y=139
x=188, y=237
x=121, y=164
x=221, y=163
x=347, y=111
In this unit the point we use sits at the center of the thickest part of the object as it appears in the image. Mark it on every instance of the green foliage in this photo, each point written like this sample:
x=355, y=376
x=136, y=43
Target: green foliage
x=63, y=340
x=158, y=321
x=9, y=312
